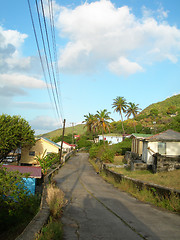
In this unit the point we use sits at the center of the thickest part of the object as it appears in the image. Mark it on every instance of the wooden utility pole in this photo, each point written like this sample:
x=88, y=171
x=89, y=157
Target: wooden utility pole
x=60, y=155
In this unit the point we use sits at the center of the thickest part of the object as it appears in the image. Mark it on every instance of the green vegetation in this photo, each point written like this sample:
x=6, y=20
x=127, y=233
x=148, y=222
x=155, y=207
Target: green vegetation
x=17, y=205
x=56, y=201
x=106, y=152
x=47, y=161
x=15, y=132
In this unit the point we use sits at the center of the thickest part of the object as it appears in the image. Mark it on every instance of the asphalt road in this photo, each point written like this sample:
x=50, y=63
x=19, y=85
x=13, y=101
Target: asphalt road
x=98, y=211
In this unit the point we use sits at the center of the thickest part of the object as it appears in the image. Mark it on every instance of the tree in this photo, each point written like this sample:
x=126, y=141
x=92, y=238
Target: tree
x=15, y=132
x=102, y=121
x=120, y=106
x=90, y=121
x=132, y=109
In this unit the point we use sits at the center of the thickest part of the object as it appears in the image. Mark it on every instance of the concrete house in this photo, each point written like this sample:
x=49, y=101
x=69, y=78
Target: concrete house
x=67, y=147
x=111, y=138
x=165, y=144
x=43, y=145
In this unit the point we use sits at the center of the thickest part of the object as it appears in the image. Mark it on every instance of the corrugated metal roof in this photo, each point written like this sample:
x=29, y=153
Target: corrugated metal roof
x=168, y=135
x=48, y=140
x=141, y=135
x=35, y=172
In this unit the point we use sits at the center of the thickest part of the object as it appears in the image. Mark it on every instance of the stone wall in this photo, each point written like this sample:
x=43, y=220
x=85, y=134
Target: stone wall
x=165, y=163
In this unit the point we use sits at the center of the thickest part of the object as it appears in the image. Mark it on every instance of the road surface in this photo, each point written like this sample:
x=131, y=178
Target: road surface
x=97, y=211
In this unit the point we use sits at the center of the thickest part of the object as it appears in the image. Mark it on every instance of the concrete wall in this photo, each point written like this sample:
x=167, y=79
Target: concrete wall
x=111, y=139
x=173, y=148
x=40, y=147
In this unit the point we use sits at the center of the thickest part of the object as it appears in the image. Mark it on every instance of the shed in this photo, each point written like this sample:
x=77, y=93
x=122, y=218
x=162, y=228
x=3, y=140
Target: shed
x=137, y=142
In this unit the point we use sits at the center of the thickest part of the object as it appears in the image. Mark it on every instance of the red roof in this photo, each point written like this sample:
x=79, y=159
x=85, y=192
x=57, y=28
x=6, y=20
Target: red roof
x=35, y=172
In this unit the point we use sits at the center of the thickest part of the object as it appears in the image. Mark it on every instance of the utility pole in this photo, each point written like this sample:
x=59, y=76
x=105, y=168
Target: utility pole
x=60, y=155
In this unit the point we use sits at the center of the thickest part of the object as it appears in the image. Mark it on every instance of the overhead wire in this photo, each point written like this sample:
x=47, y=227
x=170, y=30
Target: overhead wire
x=39, y=52
x=46, y=58
x=50, y=68
x=51, y=15
x=49, y=50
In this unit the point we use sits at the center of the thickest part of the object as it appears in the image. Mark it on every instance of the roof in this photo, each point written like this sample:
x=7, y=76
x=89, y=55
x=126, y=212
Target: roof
x=168, y=135
x=35, y=172
x=141, y=135
x=71, y=145
x=51, y=142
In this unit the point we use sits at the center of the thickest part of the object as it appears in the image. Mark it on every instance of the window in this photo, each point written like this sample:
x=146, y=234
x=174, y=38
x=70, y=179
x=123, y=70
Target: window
x=162, y=148
x=31, y=153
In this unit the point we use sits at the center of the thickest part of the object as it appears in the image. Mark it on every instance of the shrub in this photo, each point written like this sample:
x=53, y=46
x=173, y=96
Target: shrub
x=122, y=147
x=107, y=155
x=55, y=200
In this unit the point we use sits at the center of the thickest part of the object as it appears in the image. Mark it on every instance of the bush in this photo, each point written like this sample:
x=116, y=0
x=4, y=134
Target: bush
x=107, y=155
x=93, y=152
x=122, y=147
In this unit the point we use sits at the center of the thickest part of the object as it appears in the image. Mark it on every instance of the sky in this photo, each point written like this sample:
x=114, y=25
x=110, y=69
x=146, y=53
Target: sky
x=105, y=49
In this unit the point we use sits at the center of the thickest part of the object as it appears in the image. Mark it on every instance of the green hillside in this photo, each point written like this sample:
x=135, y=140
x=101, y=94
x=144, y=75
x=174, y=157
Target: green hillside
x=163, y=106
x=78, y=129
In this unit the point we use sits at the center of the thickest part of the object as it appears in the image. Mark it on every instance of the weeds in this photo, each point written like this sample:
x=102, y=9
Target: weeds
x=56, y=201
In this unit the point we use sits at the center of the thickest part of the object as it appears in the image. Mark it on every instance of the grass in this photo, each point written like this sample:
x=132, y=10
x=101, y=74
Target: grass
x=166, y=179
x=56, y=201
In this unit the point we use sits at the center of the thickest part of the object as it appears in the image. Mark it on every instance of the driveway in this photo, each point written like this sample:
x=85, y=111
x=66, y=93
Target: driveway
x=97, y=210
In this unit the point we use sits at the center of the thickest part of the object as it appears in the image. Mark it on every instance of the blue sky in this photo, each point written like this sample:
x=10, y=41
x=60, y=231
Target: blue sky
x=106, y=49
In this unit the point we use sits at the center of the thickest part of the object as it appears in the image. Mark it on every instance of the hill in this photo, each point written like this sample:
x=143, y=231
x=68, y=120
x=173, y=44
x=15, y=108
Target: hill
x=78, y=129
x=163, y=107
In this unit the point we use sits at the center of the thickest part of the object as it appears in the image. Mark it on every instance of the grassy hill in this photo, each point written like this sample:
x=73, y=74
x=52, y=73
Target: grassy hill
x=78, y=129
x=163, y=106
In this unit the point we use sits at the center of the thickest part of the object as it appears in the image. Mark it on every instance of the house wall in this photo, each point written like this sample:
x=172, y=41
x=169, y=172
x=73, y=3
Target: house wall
x=137, y=146
x=173, y=148
x=111, y=139
x=147, y=155
x=40, y=147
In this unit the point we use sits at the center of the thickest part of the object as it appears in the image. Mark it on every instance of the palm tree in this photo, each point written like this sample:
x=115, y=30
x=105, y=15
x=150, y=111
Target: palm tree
x=120, y=106
x=103, y=121
x=132, y=109
x=90, y=121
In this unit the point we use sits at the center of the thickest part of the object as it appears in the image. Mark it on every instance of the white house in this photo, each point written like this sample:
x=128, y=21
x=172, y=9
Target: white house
x=66, y=146
x=111, y=139
x=166, y=143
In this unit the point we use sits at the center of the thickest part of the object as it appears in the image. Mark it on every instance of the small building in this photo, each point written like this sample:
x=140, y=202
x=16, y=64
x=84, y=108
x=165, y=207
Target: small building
x=166, y=144
x=111, y=139
x=42, y=146
x=137, y=142
x=67, y=147
x=34, y=174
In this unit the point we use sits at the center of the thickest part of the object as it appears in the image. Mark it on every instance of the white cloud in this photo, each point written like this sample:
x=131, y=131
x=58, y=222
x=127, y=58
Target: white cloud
x=22, y=81
x=124, y=67
x=44, y=124
x=99, y=33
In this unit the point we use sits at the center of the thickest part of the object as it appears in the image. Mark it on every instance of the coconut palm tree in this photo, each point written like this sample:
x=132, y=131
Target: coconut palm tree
x=132, y=109
x=90, y=121
x=103, y=121
x=120, y=106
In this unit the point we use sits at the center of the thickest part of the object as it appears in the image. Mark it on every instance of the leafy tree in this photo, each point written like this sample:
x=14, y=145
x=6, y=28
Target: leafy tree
x=171, y=110
x=154, y=112
x=120, y=106
x=15, y=199
x=132, y=109
x=102, y=122
x=15, y=132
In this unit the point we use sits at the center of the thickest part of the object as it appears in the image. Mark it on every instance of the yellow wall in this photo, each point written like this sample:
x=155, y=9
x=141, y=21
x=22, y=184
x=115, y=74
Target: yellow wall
x=40, y=147
x=173, y=148
x=136, y=146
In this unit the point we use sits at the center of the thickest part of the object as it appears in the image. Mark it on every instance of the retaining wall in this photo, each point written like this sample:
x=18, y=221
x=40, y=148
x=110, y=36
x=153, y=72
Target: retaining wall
x=160, y=190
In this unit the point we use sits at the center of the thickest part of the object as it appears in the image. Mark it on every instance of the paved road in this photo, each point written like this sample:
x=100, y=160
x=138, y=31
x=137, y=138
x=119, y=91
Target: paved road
x=98, y=211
